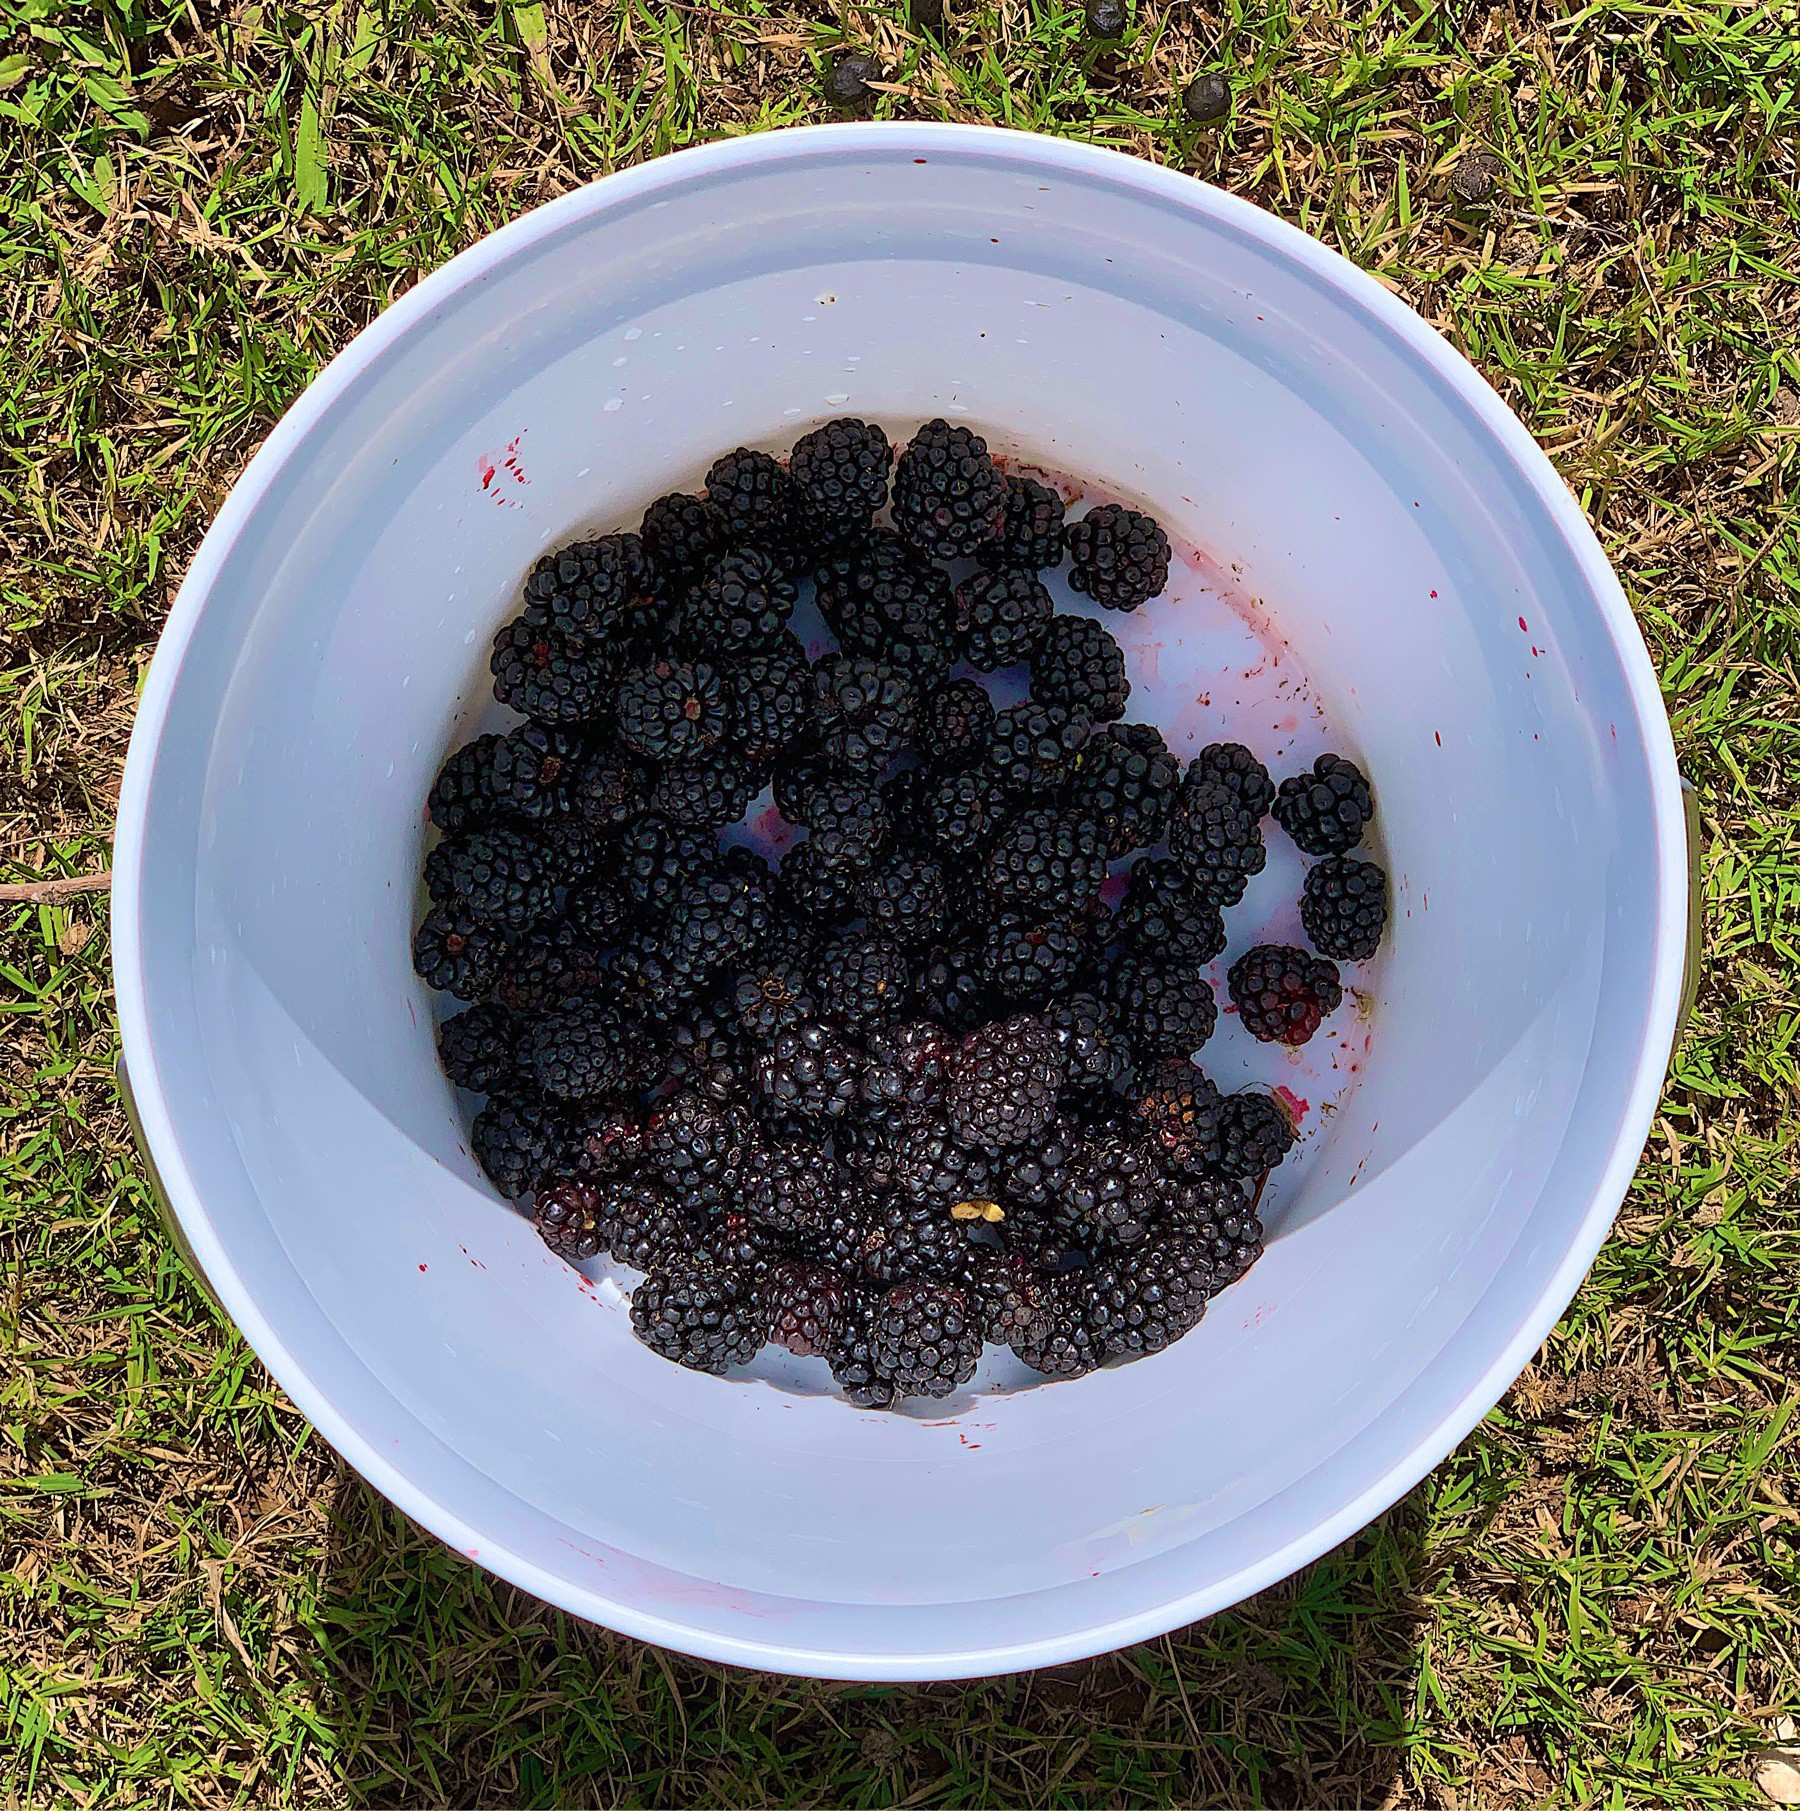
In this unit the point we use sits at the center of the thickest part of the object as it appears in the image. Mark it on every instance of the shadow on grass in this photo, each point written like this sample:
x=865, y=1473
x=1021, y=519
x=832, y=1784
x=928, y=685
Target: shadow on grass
x=441, y=1685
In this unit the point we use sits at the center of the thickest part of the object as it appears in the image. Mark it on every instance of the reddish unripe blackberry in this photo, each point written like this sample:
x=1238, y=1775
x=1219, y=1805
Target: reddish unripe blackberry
x=584, y=589
x=709, y=793
x=1046, y=859
x=1168, y=1008
x=1282, y=994
x=551, y=677
x=1077, y=662
x=462, y=795
x=1255, y=1133
x=923, y=1338
x=681, y=534
x=569, y=1216
x=1001, y=616
x=810, y=1072
x=1003, y=1083
x=1327, y=810
x=703, y=1316
x=1139, y=1303
x=806, y=1305
x=1031, y=527
x=957, y=724
x=1126, y=780
x=672, y=710
x=1233, y=766
x=840, y=474
x=1216, y=842
x=1117, y=556
x=457, y=954
x=517, y=1141
x=1177, y=1108
x=1344, y=907
x=1165, y=916
x=948, y=497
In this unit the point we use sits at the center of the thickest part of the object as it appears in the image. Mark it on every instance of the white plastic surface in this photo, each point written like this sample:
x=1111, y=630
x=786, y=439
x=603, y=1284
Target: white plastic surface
x=1326, y=456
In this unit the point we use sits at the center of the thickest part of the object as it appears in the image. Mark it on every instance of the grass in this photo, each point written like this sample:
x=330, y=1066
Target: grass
x=1593, y=1602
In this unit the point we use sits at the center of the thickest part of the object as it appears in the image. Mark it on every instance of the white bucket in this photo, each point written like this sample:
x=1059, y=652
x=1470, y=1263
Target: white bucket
x=1278, y=410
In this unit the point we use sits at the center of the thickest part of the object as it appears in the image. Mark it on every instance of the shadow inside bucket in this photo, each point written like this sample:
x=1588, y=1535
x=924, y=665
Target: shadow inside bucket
x=442, y=1685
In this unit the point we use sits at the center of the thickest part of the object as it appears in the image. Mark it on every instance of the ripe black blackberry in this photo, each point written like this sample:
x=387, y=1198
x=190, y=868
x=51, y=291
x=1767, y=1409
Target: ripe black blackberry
x=789, y=1186
x=546, y=968
x=457, y=954
x=611, y=790
x=860, y=979
x=1046, y=858
x=606, y=1139
x=1078, y=663
x=643, y=1225
x=569, y=1215
x=479, y=1048
x=1009, y=1296
x=1164, y=915
x=1028, y=959
x=1126, y=779
x=1035, y=1172
x=947, y=986
x=1216, y=842
x=1109, y=1191
x=462, y=795
x=904, y=897
x=840, y=475
x=852, y=1363
x=672, y=710
x=721, y=919
x=770, y=995
x=1031, y=527
x=754, y=496
x=704, y=1316
x=960, y=813
x=903, y=1072
x=1117, y=556
x=932, y=1169
x=693, y=1146
x=1168, y=1008
x=924, y=1339
x=733, y=1239
x=882, y=601
x=1061, y=1344
x=810, y=1072
x=598, y=913
x=901, y=1239
x=707, y=794
x=1096, y=1052
x=1326, y=811
x=1233, y=766
x=494, y=876
x=584, y=1050
x=656, y=860
x=1003, y=1083
x=1344, y=907
x=584, y=589
x=742, y=602
x=806, y=1305
x=706, y=1053
x=1177, y=1108
x=813, y=888
x=1146, y=1300
x=864, y=709
x=1255, y=1133
x=535, y=769
x=948, y=497
x=517, y=1141
x=551, y=677
x=1001, y=617
x=1283, y=994
x=1034, y=746
x=682, y=535
x=1219, y=1217
x=771, y=700
x=956, y=725
x=843, y=810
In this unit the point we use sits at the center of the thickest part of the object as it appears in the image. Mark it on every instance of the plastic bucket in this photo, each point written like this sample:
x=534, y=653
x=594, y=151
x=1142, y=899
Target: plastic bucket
x=1280, y=411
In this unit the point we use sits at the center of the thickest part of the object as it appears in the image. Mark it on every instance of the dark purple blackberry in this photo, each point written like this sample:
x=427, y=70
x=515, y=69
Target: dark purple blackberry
x=860, y=979
x=865, y=711
x=903, y=1072
x=903, y=1239
x=771, y=700
x=1031, y=527
x=479, y=1049
x=961, y=813
x=1109, y=1191
x=852, y=1363
x=1233, y=766
x=643, y=1225
x=1139, y=1303
x=1117, y=556
x=583, y=590
x=1164, y=916
x=517, y=1141
x=1061, y=1344
x=754, y=496
x=1095, y=1051
x=571, y=851
x=462, y=795
x=806, y=1305
x=1078, y=663
x=840, y=475
x=789, y=1187
x=456, y=954
x=707, y=1054
x=1217, y=843
x=811, y=886
x=933, y=1170
x=721, y=919
x=606, y=1139
x=657, y=858
x=947, y=986
x=1046, y=859
x=549, y=966
x=535, y=770
x=903, y=794
x=1010, y=1297
x=1219, y=1217
x=771, y=996
x=672, y=710
x=551, y=677
x=956, y=725
x=1344, y=907
x=693, y=1146
x=1255, y=1133
x=1168, y=1008
x=707, y=794
x=733, y=1239
x=1027, y=960
x=599, y=913
x=1126, y=779
x=1035, y=745
x=569, y=1215
x=1001, y=617
x=1283, y=994
x=704, y=1316
x=494, y=876
x=682, y=535
x=904, y=898
x=611, y=790
x=1178, y=1110
x=584, y=1050
x=884, y=602
x=844, y=812
x=948, y=498
x=810, y=1072
x=1035, y=1172
x=742, y=603
x=651, y=979
x=1003, y=1083
x=924, y=1339
x=1327, y=810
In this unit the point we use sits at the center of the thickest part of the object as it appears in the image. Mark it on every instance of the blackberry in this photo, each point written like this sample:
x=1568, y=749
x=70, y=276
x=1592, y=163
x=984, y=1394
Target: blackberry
x=1344, y=907
x=1216, y=842
x=903, y=1239
x=903, y=1072
x=882, y=601
x=1326, y=811
x=611, y=790
x=584, y=589
x=789, y=1187
x=806, y=1306
x=865, y=710
x=1001, y=617
x=845, y=814
x=721, y=918
x=903, y=796
x=1035, y=745
x=948, y=498
x=479, y=1048
x=1095, y=1051
x=571, y=852
x=1010, y=1298
x=771, y=700
x=549, y=966
x=905, y=898
x=1140, y=1303
x=1027, y=961
x=1255, y=1133
x=860, y=979
x=840, y=475
x=707, y=1055
x=462, y=795
x=810, y=1072
x=947, y=985
x=583, y=1050
x=735, y=1240
x=1282, y=994
x=960, y=813
x=772, y=995
x=1036, y=1172
x=457, y=954
x=672, y=710
x=923, y=1338
x=1163, y=915
x=517, y=1141
x=742, y=603
x=956, y=725
x=865, y=1147
x=754, y=497
x=1031, y=527
x=598, y=914
x=1179, y=1111
x=1003, y=1084
x=552, y=677
x=1168, y=1008
x=704, y=1316
x=1046, y=858
x=495, y=876
x=1061, y=1344
x=810, y=885
x=933, y=1170
x=1233, y=766
x=681, y=534
x=568, y=1213
x=1126, y=780
x=708, y=794
x=642, y=1225
x=1078, y=663
x=606, y=1139
x=693, y=1145
x=1109, y=1193
x=852, y=1360
x=657, y=859
x=1119, y=557
x=1207, y=98
x=1219, y=1217
x=535, y=769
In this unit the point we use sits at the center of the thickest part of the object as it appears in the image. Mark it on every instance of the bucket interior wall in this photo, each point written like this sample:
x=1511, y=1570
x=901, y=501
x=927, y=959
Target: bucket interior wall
x=1270, y=421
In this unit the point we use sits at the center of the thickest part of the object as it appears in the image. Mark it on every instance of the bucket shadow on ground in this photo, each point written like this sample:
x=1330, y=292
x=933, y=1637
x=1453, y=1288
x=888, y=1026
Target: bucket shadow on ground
x=442, y=1685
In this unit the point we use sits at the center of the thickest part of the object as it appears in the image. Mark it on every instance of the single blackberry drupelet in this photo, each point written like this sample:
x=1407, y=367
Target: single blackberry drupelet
x=1126, y=780
x=924, y=1339
x=1003, y=1083
x=1009, y=1297
x=682, y=535
x=1177, y=1108
x=948, y=498
x=517, y=1141
x=755, y=498
x=1168, y=1008
x=805, y=1305
x=1164, y=915
x=903, y=1072
x=535, y=769
x=1327, y=810
x=1109, y=1191
x=462, y=795
x=741, y=603
x=656, y=860
x=1031, y=527
x=701, y=1315
x=672, y=710
x=956, y=725
x=457, y=954
x=1282, y=994
x=1028, y=960
x=810, y=1072
x=1078, y=663
x=771, y=700
x=883, y=601
x=569, y=1217
x=1117, y=556
x=551, y=677
x=864, y=709
x=1148, y=1299
x=1218, y=1215
x=611, y=790
x=1096, y=1053
x=693, y=1145
x=1046, y=858
x=709, y=793
x=960, y=813
x=1343, y=907
x=1216, y=842
x=932, y=1169
x=840, y=475
x=860, y=979
x=495, y=876
x=905, y=897
x=1001, y=616
x=1255, y=1133
x=583, y=590
x=1034, y=746
x=479, y=1048
x=1233, y=766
